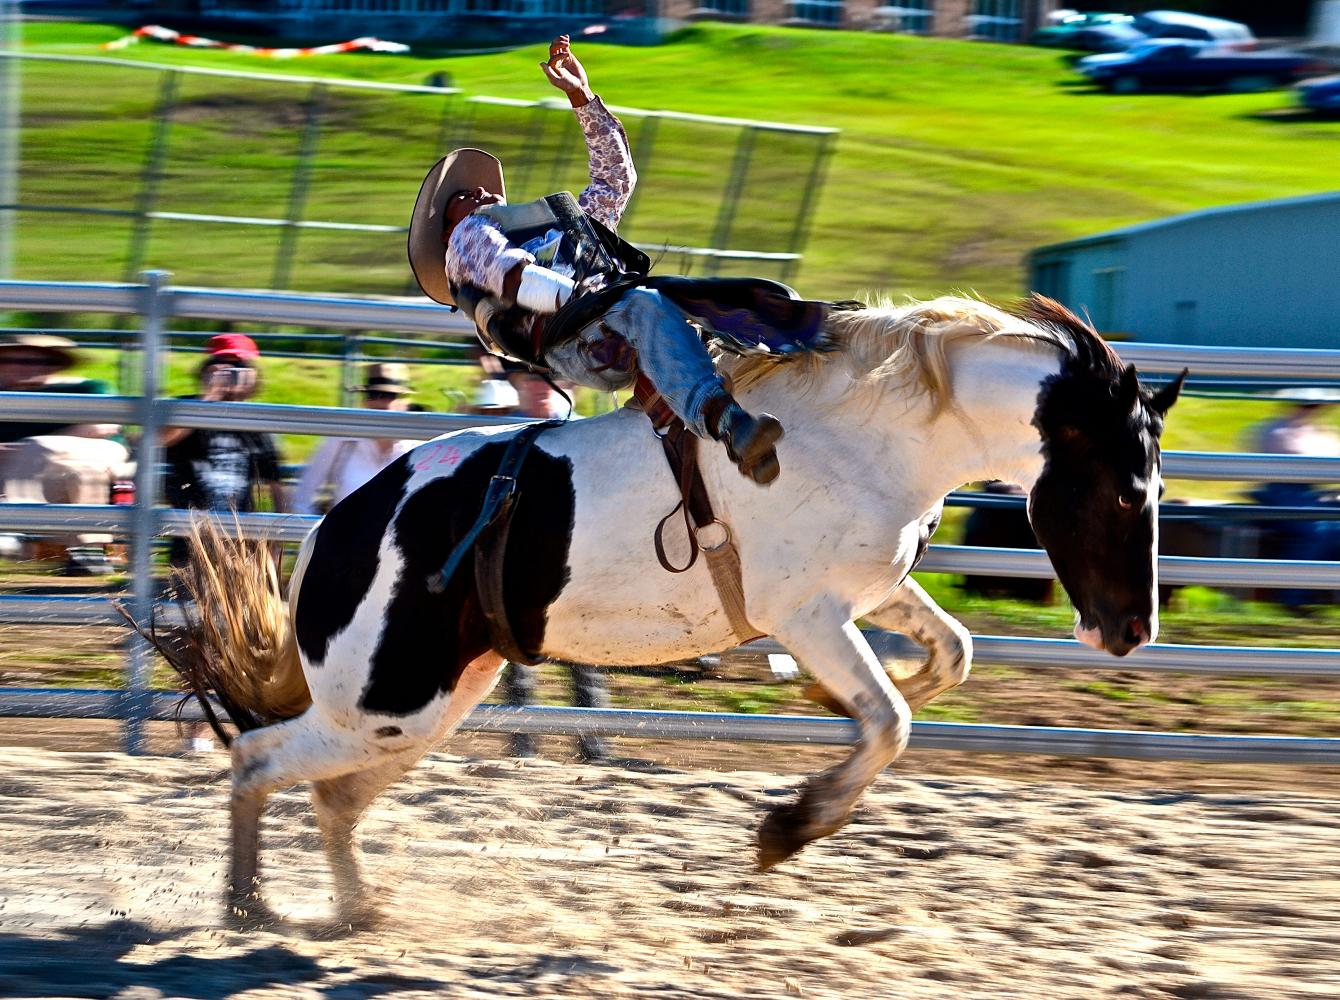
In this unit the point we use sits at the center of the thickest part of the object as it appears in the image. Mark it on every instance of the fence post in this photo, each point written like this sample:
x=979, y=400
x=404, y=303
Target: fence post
x=642, y=153
x=10, y=123
x=298, y=187
x=534, y=136
x=730, y=200
x=349, y=354
x=800, y=231
x=152, y=174
x=148, y=481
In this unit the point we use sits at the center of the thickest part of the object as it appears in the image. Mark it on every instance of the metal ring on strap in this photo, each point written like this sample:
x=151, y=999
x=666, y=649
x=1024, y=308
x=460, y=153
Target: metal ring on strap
x=710, y=548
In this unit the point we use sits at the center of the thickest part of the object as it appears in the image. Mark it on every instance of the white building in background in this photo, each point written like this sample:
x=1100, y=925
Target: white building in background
x=1326, y=23
x=1263, y=274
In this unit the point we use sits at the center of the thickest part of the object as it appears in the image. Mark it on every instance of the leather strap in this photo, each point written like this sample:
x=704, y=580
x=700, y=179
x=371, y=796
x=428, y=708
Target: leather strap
x=487, y=540
x=723, y=559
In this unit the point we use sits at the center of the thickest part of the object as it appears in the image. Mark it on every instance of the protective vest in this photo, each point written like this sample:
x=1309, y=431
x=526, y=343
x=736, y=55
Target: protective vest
x=563, y=238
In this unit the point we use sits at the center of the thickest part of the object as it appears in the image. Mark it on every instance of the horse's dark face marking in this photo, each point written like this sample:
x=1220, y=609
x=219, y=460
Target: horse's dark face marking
x=344, y=559
x=1094, y=508
x=428, y=639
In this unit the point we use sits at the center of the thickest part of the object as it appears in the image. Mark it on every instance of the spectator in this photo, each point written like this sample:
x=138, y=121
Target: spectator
x=341, y=465
x=31, y=363
x=542, y=399
x=495, y=397
x=1301, y=431
x=539, y=399
x=44, y=461
x=222, y=470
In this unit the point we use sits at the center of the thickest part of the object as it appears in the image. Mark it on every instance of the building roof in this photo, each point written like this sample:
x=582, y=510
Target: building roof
x=1326, y=198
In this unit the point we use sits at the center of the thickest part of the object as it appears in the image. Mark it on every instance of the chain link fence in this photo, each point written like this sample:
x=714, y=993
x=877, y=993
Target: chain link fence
x=264, y=181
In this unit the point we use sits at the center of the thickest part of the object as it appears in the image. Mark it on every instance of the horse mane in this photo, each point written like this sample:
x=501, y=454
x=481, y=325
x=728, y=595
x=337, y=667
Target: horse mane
x=906, y=346
x=1087, y=349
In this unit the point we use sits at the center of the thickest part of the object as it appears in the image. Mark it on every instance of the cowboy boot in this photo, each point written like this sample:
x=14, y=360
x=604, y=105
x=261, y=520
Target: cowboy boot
x=750, y=441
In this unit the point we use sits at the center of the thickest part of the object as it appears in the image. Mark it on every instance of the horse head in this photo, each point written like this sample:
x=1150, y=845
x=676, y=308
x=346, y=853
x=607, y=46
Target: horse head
x=1094, y=507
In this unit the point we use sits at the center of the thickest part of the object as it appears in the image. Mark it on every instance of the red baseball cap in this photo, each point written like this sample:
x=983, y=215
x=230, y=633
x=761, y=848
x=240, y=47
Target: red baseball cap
x=234, y=345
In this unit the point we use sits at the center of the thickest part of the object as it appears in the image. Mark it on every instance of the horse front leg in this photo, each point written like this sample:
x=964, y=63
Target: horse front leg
x=948, y=645
x=835, y=652
x=947, y=642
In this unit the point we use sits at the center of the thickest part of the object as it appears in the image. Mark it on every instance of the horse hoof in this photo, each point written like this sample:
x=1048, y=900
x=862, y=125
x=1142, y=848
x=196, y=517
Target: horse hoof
x=779, y=835
x=362, y=916
x=248, y=912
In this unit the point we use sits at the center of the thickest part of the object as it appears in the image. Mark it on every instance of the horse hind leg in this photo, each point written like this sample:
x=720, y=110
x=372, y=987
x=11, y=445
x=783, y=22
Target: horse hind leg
x=839, y=656
x=306, y=748
x=341, y=801
x=340, y=804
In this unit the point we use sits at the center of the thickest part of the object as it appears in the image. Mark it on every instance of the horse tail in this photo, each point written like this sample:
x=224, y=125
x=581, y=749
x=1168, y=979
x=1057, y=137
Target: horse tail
x=238, y=642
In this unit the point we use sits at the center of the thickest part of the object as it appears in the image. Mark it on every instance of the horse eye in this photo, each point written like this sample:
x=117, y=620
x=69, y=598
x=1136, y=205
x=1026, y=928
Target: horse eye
x=1125, y=502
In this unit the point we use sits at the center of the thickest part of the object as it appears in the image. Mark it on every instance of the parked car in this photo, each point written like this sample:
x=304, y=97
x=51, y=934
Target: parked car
x=1173, y=64
x=1067, y=31
x=1071, y=31
x=1321, y=94
x=1196, y=28
x=1116, y=36
x=1120, y=35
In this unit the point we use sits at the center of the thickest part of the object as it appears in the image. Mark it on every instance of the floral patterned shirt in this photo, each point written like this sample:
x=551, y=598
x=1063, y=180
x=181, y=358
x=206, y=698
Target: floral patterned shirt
x=478, y=252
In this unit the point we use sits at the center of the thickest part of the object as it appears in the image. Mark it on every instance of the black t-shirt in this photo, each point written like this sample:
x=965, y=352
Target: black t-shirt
x=219, y=470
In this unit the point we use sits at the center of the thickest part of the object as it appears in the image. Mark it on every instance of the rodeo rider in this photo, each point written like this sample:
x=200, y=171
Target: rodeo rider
x=458, y=208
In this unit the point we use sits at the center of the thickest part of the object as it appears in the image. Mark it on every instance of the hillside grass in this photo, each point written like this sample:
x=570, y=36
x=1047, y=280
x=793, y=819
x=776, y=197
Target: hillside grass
x=955, y=158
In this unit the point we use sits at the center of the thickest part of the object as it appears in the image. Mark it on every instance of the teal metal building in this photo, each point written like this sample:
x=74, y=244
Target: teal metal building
x=1265, y=273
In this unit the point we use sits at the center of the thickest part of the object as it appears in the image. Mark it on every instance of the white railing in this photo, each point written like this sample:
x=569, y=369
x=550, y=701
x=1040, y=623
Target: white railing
x=154, y=301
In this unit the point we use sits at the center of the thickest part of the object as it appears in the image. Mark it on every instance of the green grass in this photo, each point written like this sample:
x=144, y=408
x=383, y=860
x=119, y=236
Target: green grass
x=955, y=158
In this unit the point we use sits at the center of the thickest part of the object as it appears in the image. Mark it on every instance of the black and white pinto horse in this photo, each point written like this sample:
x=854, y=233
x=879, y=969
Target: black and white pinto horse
x=367, y=667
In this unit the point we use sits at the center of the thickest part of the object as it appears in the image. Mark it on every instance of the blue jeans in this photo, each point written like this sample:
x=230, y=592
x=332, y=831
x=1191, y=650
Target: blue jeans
x=669, y=352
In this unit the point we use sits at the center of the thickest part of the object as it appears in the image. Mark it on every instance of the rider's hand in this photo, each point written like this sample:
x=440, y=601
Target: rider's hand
x=566, y=73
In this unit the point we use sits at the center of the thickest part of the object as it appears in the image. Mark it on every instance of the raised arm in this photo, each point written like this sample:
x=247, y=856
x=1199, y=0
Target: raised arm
x=610, y=160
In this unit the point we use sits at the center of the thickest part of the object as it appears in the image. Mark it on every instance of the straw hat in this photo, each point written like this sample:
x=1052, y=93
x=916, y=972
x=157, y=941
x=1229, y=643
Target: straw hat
x=386, y=376
x=60, y=349
x=459, y=170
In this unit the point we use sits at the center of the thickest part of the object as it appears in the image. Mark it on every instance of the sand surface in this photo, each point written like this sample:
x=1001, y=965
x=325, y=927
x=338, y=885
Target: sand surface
x=540, y=879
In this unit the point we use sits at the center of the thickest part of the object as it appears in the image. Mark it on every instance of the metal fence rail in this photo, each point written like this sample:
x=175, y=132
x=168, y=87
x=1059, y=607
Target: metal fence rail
x=36, y=703
x=156, y=303
x=1026, y=563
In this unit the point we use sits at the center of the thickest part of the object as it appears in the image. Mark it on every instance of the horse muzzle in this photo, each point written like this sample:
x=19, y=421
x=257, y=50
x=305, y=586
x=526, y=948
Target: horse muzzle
x=1123, y=635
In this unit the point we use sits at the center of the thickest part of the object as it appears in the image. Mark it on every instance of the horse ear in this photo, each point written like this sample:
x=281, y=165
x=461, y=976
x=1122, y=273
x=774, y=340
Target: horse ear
x=1128, y=391
x=1161, y=402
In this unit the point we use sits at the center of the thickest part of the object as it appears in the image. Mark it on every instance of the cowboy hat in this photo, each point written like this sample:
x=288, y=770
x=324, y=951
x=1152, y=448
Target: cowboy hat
x=386, y=376
x=495, y=394
x=459, y=170
x=59, y=349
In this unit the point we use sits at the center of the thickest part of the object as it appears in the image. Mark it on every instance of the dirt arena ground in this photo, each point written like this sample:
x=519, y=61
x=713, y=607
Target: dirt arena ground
x=540, y=878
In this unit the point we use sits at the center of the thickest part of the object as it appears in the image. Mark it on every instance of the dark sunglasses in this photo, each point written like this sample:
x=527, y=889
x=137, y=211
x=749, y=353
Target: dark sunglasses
x=377, y=396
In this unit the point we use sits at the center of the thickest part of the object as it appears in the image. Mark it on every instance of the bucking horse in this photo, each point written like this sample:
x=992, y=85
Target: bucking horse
x=376, y=654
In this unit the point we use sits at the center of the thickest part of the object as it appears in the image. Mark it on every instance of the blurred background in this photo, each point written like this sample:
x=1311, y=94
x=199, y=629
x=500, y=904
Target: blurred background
x=1169, y=174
